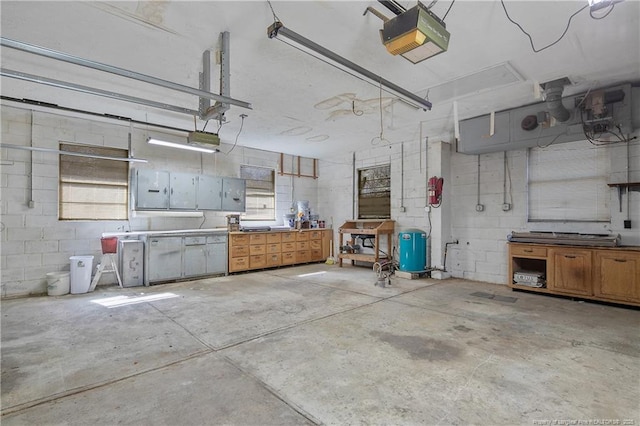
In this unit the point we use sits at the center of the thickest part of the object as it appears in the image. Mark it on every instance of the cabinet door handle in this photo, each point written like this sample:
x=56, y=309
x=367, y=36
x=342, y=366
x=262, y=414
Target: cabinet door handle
x=620, y=260
x=528, y=250
x=569, y=257
x=154, y=190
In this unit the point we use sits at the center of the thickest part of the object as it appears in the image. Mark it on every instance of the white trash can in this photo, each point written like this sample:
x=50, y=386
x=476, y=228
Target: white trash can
x=81, y=267
x=57, y=283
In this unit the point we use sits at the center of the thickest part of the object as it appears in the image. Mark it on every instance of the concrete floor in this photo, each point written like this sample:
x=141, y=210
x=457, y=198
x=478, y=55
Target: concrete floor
x=277, y=347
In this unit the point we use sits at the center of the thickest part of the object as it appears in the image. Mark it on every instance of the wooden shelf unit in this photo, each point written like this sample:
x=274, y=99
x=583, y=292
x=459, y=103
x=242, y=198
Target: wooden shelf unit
x=260, y=250
x=374, y=227
x=610, y=274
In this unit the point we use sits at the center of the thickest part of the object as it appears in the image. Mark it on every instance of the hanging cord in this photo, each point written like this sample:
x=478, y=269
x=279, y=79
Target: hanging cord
x=381, y=136
x=275, y=17
x=353, y=109
x=242, y=116
x=447, y=12
x=529, y=35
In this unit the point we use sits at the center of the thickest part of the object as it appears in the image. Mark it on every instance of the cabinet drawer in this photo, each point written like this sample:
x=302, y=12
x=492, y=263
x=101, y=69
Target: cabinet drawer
x=274, y=259
x=302, y=236
x=273, y=238
x=238, y=264
x=529, y=251
x=289, y=258
x=288, y=247
x=273, y=248
x=303, y=256
x=239, y=239
x=302, y=245
x=315, y=235
x=257, y=239
x=258, y=261
x=288, y=236
x=257, y=249
x=315, y=244
x=316, y=254
x=239, y=251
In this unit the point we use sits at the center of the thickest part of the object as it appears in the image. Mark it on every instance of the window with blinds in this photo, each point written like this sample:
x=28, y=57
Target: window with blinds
x=93, y=188
x=374, y=192
x=568, y=183
x=260, y=193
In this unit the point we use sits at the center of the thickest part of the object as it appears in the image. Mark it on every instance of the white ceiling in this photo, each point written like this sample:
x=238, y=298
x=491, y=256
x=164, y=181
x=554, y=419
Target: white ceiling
x=301, y=105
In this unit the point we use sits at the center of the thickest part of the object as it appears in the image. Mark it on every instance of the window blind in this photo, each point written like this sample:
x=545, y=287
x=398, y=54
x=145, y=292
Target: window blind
x=260, y=193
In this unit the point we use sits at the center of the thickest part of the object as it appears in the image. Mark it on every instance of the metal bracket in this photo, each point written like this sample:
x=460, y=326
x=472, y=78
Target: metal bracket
x=216, y=112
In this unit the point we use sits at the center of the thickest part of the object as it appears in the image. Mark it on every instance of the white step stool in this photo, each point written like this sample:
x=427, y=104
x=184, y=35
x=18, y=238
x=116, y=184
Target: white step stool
x=109, y=248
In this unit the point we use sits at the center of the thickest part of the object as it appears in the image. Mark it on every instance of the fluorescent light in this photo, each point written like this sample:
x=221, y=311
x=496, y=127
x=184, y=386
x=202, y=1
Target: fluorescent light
x=180, y=145
x=278, y=31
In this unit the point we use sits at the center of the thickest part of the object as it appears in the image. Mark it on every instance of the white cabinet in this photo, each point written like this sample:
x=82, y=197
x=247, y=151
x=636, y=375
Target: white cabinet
x=152, y=189
x=195, y=256
x=184, y=256
x=162, y=190
x=233, y=198
x=209, y=193
x=182, y=192
x=164, y=258
x=217, y=254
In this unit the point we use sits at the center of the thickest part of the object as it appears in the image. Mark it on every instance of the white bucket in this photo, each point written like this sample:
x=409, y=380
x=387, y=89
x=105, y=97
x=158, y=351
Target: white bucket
x=81, y=267
x=57, y=283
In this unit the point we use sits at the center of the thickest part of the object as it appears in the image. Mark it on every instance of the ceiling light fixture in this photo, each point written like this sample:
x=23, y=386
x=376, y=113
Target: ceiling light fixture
x=278, y=31
x=416, y=34
x=599, y=4
x=153, y=141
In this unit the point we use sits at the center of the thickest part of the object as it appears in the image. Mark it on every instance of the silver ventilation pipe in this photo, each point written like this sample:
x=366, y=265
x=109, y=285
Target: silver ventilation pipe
x=553, y=97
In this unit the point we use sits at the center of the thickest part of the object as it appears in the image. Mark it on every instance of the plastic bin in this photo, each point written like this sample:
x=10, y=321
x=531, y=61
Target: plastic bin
x=109, y=245
x=57, y=283
x=81, y=267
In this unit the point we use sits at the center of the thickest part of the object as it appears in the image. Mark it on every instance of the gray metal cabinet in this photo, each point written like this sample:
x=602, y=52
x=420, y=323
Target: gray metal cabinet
x=152, y=189
x=182, y=191
x=131, y=262
x=195, y=256
x=217, y=254
x=233, y=199
x=209, y=193
x=164, y=258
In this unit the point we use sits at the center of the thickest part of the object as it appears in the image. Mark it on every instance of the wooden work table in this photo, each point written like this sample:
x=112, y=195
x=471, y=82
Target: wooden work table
x=376, y=228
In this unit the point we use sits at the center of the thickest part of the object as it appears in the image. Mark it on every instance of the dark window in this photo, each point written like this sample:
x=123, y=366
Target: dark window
x=374, y=193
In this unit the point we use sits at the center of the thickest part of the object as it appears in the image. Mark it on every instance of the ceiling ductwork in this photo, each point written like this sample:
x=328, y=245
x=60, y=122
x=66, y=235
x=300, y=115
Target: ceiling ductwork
x=553, y=97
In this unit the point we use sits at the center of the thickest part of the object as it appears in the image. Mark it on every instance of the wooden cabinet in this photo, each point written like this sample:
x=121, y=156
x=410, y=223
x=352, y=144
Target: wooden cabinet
x=616, y=275
x=598, y=273
x=569, y=271
x=257, y=250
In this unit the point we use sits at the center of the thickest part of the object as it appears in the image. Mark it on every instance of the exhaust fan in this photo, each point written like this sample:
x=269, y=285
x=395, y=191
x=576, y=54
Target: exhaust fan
x=416, y=34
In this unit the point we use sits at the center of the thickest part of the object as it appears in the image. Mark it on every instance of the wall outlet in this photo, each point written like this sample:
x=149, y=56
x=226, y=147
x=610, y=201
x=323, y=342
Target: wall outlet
x=479, y=207
x=402, y=209
x=506, y=207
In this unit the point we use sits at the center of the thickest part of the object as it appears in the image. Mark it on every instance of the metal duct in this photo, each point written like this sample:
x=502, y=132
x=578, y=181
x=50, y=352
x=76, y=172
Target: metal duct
x=553, y=96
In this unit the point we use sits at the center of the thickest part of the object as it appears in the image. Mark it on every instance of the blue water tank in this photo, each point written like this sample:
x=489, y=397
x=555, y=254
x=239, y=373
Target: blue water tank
x=412, y=245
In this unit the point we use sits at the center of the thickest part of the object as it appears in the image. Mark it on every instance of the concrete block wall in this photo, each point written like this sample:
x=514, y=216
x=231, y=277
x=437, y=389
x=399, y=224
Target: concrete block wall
x=481, y=253
x=33, y=241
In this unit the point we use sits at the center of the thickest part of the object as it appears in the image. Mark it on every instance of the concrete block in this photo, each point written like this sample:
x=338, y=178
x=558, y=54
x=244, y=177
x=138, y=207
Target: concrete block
x=24, y=234
x=27, y=261
x=57, y=260
x=43, y=246
x=12, y=274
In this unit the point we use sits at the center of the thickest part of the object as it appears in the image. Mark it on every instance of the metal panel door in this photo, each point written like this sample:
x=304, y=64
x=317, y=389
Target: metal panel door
x=164, y=258
x=209, y=193
x=183, y=191
x=217, y=254
x=131, y=262
x=152, y=189
x=233, y=199
x=195, y=256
